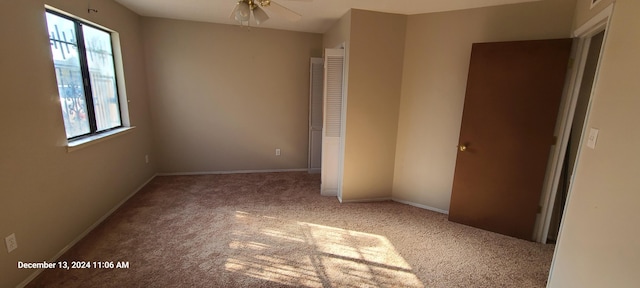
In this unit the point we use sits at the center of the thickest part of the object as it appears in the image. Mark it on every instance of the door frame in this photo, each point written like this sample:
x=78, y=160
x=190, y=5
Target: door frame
x=583, y=35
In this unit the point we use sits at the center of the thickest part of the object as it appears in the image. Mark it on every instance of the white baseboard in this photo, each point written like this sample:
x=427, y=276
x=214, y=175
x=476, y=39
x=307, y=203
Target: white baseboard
x=328, y=192
x=232, y=172
x=395, y=200
x=367, y=200
x=83, y=234
x=421, y=206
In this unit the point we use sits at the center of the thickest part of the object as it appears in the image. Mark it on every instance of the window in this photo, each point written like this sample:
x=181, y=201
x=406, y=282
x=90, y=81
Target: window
x=85, y=72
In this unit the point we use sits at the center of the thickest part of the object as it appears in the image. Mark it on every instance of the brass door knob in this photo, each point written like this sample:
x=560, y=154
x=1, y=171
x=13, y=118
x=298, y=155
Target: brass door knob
x=462, y=147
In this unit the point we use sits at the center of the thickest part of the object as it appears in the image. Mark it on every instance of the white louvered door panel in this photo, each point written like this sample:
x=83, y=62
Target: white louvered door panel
x=315, y=114
x=332, y=121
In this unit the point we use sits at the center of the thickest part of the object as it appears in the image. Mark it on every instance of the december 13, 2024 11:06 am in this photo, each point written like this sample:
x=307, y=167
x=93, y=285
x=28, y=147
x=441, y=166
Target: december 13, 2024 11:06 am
x=74, y=265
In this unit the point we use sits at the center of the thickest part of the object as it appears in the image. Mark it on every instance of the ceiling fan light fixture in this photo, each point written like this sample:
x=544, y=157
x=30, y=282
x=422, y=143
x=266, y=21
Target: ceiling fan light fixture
x=259, y=15
x=242, y=12
x=265, y=3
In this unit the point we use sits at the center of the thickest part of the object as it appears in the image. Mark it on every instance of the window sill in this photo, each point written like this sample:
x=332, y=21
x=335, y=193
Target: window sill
x=88, y=141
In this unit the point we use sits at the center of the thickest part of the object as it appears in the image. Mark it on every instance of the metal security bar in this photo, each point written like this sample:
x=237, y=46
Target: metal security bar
x=85, y=71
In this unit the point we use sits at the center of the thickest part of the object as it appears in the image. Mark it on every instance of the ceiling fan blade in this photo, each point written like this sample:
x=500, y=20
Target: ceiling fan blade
x=284, y=11
x=233, y=12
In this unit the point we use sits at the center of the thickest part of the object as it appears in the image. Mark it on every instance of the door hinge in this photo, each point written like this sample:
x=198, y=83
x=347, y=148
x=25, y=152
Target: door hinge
x=554, y=141
x=539, y=209
x=571, y=62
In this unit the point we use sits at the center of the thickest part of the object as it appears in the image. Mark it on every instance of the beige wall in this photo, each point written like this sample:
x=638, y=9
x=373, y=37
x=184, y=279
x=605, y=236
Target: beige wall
x=373, y=96
x=225, y=97
x=339, y=34
x=599, y=242
x=437, y=53
x=48, y=196
x=584, y=11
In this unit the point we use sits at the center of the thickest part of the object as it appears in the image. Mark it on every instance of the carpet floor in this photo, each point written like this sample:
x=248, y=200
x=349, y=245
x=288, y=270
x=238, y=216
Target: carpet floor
x=275, y=230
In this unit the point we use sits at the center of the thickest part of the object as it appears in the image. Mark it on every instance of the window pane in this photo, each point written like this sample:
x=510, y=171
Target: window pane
x=64, y=48
x=103, y=79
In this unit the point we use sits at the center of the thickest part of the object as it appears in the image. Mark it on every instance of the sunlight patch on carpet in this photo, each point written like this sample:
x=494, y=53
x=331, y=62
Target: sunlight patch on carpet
x=269, y=248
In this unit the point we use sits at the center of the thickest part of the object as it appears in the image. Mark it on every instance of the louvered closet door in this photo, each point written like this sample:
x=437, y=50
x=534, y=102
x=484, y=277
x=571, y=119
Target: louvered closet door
x=332, y=121
x=315, y=114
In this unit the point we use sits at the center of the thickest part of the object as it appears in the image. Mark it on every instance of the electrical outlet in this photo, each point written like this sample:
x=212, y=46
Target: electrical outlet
x=277, y=151
x=146, y=158
x=12, y=243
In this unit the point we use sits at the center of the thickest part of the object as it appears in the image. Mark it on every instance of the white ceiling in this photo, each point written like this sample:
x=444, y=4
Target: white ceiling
x=317, y=15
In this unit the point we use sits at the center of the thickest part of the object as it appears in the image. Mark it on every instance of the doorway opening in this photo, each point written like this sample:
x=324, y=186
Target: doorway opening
x=575, y=133
x=571, y=126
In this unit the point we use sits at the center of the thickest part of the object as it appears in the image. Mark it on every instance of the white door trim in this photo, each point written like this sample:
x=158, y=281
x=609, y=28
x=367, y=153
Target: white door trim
x=583, y=34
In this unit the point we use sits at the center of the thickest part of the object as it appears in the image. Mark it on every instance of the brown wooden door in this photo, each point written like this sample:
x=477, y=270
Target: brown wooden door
x=510, y=111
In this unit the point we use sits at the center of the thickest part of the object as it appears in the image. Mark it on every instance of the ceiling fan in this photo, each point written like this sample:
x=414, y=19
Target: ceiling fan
x=245, y=8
